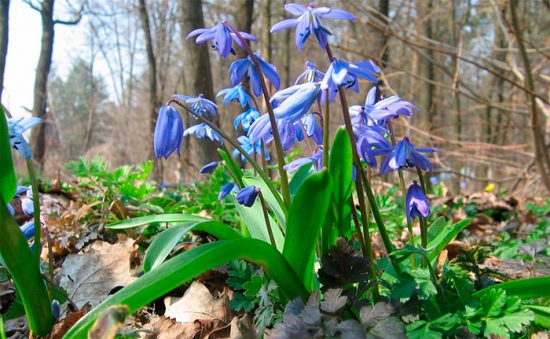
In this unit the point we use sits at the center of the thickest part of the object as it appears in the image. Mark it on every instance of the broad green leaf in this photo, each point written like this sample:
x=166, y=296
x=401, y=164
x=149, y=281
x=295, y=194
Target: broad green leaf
x=163, y=218
x=340, y=169
x=445, y=237
x=299, y=177
x=271, y=200
x=165, y=241
x=305, y=218
x=25, y=272
x=7, y=174
x=235, y=171
x=524, y=288
x=436, y=228
x=184, y=267
x=253, y=218
x=542, y=315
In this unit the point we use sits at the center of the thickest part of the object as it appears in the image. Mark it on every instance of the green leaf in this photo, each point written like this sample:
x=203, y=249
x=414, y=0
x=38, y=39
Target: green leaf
x=25, y=272
x=340, y=169
x=253, y=218
x=186, y=266
x=441, y=241
x=165, y=242
x=164, y=218
x=523, y=288
x=542, y=315
x=235, y=171
x=273, y=203
x=436, y=227
x=305, y=218
x=7, y=174
x=299, y=177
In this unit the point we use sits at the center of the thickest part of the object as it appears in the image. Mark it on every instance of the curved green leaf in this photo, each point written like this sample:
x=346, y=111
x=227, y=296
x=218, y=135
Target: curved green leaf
x=190, y=264
x=164, y=242
x=7, y=174
x=299, y=177
x=167, y=218
x=235, y=171
x=279, y=210
x=524, y=288
x=253, y=218
x=441, y=241
x=305, y=218
x=340, y=169
x=25, y=272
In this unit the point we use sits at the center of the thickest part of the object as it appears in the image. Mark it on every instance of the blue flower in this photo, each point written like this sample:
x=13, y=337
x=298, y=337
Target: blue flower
x=27, y=204
x=417, y=203
x=18, y=126
x=295, y=101
x=311, y=74
x=290, y=132
x=404, y=154
x=384, y=109
x=199, y=104
x=308, y=22
x=209, y=168
x=245, y=67
x=236, y=94
x=246, y=118
x=313, y=130
x=28, y=230
x=201, y=131
x=168, y=132
x=369, y=141
x=316, y=159
x=250, y=147
x=225, y=190
x=346, y=74
x=247, y=196
x=222, y=36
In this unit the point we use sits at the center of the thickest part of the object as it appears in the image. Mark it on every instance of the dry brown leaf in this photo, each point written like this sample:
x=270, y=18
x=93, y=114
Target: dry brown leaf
x=165, y=328
x=89, y=277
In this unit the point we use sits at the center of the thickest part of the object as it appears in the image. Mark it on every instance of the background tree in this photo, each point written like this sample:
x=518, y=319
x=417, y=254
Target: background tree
x=4, y=36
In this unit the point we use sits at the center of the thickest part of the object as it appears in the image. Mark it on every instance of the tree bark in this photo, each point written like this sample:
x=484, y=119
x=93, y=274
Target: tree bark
x=4, y=34
x=198, y=80
x=426, y=68
x=38, y=138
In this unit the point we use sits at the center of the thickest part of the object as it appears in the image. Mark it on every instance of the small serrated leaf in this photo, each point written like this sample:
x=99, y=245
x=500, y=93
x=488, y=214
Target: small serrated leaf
x=334, y=300
x=370, y=315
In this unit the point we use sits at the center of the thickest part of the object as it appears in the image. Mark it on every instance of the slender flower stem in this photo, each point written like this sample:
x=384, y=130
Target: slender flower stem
x=326, y=131
x=404, y=192
x=50, y=261
x=276, y=136
x=364, y=248
x=36, y=208
x=266, y=218
x=264, y=160
x=235, y=144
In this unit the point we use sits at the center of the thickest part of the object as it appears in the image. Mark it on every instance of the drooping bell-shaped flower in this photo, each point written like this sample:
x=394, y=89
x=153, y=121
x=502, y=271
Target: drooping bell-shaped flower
x=222, y=38
x=18, y=126
x=202, y=131
x=404, y=154
x=225, y=190
x=417, y=203
x=236, y=94
x=345, y=74
x=242, y=68
x=250, y=147
x=246, y=118
x=209, y=168
x=199, y=104
x=168, y=132
x=316, y=159
x=390, y=107
x=308, y=22
x=247, y=196
x=310, y=74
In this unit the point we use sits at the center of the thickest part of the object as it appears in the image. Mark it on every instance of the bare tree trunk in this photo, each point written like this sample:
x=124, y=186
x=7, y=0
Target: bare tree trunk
x=541, y=154
x=426, y=67
x=4, y=34
x=152, y=70
x=198, y=80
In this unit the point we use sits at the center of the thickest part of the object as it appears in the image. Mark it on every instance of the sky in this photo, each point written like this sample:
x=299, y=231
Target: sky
x=25, y=31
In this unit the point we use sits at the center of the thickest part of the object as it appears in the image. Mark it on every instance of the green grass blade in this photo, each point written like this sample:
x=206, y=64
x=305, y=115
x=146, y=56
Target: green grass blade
x=164, y=242
x=184, y=267
x=305, y=218
x=299, y=177
x=162, y=218
x=23, y=268
x=524, y=288
x=7, y=174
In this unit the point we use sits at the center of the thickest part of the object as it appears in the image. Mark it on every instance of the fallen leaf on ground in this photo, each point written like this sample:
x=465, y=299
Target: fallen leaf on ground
x=90, y=277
